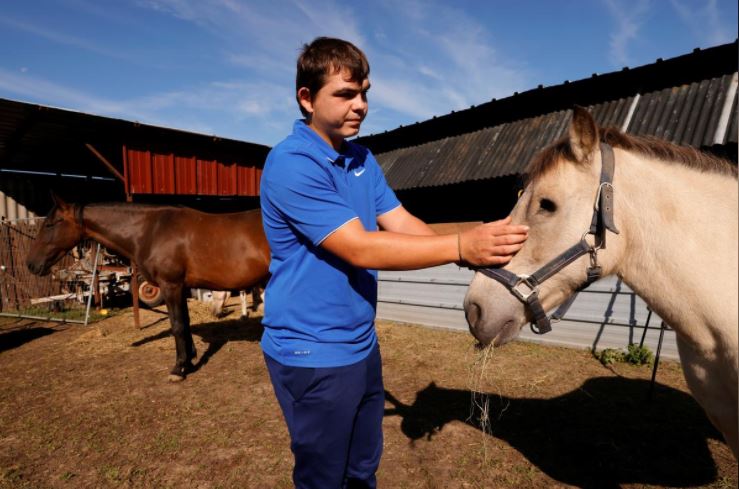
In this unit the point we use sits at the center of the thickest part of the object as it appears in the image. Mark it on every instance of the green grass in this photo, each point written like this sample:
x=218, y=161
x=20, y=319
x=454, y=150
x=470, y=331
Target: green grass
x=68, y=314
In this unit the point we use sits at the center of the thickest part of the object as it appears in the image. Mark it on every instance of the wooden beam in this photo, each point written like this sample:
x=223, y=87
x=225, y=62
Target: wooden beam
x=105, y=162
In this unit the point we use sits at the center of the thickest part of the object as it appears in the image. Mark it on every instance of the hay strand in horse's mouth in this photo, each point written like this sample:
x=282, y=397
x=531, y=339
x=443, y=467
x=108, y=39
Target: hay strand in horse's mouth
x=480, y=380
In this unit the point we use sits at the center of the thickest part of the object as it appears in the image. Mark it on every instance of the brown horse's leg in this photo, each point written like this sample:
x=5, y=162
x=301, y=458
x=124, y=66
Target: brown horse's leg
x=179, y=319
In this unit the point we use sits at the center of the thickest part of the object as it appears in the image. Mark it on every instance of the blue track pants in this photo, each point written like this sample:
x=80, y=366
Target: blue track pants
x=334, y=416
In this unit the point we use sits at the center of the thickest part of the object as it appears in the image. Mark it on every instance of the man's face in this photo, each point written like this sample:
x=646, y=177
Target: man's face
x=338, y=108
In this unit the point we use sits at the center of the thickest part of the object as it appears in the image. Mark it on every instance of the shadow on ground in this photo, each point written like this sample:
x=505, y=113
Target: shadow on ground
x=602, y=435
x=215, y=335
x=19, y=337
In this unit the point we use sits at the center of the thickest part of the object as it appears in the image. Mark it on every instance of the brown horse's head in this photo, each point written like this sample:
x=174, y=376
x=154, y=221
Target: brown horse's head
x=58, y=234
x=557, y=205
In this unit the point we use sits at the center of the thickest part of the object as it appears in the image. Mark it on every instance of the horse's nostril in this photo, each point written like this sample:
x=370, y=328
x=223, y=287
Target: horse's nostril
x=472, y=313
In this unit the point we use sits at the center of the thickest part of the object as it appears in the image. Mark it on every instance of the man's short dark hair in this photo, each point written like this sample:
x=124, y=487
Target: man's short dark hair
x=326, y=56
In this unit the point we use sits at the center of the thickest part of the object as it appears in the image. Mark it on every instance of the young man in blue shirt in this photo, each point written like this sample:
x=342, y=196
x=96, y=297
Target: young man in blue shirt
x=322, y=200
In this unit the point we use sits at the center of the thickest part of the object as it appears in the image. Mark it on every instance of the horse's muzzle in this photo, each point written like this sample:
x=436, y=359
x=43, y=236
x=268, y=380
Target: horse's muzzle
x=37, y=269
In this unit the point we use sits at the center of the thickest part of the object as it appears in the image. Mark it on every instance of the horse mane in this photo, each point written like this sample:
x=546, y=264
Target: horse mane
x=133, y=206
x=644, y=145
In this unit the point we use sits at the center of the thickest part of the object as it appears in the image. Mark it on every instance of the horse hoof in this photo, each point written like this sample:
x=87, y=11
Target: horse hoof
x=175, y=378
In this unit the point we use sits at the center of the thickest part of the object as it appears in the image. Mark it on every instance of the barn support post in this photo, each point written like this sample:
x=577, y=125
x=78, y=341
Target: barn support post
x=134, y=268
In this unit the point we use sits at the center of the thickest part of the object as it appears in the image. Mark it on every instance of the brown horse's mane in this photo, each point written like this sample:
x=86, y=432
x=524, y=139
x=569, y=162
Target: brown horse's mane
x=646, y=146
x=137, y=205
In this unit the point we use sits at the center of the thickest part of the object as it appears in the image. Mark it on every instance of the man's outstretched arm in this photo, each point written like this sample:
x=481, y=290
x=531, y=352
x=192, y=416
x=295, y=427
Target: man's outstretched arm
x=492, y=243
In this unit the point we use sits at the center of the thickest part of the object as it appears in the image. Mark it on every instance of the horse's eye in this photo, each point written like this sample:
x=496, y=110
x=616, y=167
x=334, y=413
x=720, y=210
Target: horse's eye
x=547, y=205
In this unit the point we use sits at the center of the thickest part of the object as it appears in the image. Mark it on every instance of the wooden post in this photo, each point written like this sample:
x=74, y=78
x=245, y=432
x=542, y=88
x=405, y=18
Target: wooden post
x=135, y=294
x=134, y=268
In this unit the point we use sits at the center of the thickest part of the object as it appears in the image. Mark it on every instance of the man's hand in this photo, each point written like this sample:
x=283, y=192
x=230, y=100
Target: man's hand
x=493, y=243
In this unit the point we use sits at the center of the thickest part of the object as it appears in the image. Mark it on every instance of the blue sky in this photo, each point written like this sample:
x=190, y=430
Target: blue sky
x=226, y=67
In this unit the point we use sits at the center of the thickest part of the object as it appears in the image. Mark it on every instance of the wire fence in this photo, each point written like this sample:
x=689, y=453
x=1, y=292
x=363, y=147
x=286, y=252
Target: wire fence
x=63, y=294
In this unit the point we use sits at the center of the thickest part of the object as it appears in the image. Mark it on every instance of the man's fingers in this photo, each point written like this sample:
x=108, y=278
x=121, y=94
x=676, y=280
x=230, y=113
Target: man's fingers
x=507, y=239
x=499, y=228
x=498, y=260
x=506, y=250
x=505, y=220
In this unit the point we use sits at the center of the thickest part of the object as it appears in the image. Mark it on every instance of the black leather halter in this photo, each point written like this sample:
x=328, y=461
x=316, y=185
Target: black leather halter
x=526, y=287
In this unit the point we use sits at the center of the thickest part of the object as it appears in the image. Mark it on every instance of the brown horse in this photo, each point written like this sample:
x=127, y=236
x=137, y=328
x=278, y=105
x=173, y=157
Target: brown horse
x=173, y=248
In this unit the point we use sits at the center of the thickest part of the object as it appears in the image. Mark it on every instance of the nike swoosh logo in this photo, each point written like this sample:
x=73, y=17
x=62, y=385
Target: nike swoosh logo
x=359, y=172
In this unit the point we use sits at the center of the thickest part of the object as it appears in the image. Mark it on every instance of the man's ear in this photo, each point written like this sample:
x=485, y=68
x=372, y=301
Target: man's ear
x=305, y=99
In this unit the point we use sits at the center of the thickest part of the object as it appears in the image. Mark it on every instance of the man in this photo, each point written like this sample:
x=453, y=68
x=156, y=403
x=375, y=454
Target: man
x=322, y=200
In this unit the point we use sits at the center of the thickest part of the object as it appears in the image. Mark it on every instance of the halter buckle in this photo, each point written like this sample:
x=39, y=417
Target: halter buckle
x=597, y=195
x=522, y=295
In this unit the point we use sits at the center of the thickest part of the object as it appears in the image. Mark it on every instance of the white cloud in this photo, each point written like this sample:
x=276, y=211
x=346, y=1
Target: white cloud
x=428, y=58
x=31, y=88
x=201, y=109
x=441, y=58
x=704, y=22
x=629, y=16
x=53, y=35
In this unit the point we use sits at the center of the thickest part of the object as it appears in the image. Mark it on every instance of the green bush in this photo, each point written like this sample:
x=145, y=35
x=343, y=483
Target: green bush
x=638, y=355
x=634, y=354
x=609, y=356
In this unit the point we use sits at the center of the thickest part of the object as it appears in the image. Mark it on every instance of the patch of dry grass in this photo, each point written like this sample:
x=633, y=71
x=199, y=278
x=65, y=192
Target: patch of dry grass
x=91, y=407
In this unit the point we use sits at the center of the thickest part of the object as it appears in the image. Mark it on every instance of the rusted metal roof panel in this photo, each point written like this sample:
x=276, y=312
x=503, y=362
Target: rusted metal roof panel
x=186, y=175
x=248, y=180
x=163, y=174
x=207, y=177
x=168, y=174
x=138, y=170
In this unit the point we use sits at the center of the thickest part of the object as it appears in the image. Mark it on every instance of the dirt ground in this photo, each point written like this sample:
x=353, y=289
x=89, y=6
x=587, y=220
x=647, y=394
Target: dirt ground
x=91, y=407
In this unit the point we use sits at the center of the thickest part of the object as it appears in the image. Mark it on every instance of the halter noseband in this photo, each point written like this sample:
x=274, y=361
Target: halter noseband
x=526, y=287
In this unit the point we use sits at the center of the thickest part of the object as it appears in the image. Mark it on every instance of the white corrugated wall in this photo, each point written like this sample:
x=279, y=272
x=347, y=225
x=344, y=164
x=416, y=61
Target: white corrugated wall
x=605, y=315
x=10, y=209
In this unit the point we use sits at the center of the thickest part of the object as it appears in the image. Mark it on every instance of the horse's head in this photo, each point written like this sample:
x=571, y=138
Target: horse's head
x=58, y=234
x=557, y=205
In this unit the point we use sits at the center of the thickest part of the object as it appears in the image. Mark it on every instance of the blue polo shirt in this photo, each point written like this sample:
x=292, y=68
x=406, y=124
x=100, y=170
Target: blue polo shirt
x=319, y=310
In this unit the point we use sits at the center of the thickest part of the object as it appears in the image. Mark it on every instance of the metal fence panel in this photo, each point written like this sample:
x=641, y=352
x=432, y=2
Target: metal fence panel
x=60, y=295
x=608, y=314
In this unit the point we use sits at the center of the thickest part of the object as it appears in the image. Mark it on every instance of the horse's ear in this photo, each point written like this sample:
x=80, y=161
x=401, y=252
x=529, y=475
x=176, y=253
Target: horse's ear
x=58, y=201
x=583, y=134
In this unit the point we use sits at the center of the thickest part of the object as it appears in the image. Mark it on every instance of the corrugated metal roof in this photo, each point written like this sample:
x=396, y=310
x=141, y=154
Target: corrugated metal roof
x=695, y=66
x=733, y=132
x=493, y=152
x=36, y=138
x=685, y=114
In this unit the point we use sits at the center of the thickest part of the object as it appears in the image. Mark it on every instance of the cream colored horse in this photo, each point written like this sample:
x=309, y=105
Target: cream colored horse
x=676, y=210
